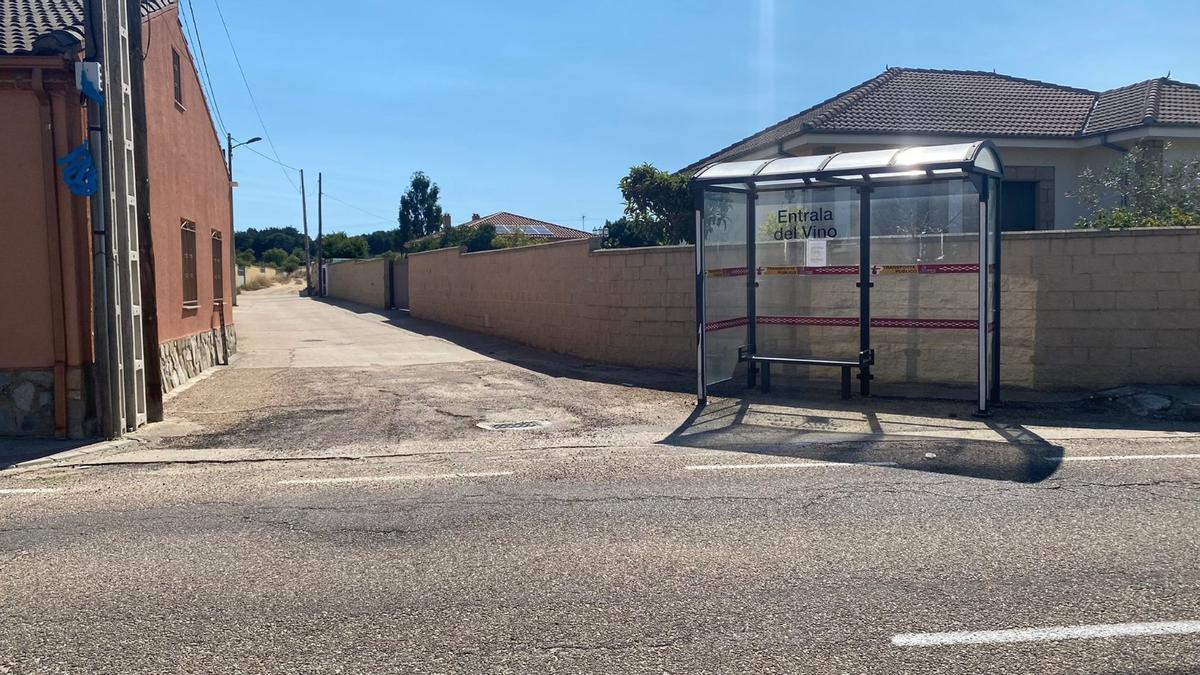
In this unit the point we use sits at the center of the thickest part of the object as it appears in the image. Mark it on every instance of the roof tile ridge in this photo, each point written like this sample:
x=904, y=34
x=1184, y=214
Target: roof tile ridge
x=1003, y=76
x=1087, y=119
x=1150, y=104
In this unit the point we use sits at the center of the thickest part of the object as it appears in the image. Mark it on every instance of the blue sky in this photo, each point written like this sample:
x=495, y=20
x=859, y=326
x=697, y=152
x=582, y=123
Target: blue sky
x=539, y=108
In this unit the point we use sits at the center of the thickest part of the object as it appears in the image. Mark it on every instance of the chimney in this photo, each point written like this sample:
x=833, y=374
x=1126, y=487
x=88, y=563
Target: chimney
x=446, y=221
x=474, y=216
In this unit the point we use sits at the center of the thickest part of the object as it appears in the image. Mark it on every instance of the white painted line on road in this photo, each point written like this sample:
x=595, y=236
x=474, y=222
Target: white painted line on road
x=26, y=491
x=1108, y=630
x=1122, y=458
x=781, y=465
x=380, y=479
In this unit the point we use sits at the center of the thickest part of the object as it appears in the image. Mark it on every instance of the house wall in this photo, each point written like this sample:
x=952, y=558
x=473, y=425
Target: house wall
x=1082, y=309
x=188, y=181
x=45, y=267
x=1067, y=165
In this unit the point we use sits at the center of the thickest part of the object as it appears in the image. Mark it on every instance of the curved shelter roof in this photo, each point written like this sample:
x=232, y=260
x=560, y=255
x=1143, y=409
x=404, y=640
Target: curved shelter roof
x=918, y=163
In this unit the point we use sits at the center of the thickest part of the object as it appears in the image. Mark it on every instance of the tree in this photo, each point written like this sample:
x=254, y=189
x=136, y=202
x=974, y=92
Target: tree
x=291, y=264
x=1141, y=190
x=624, y=233
x=274, y=256
x=382, y=241
x=420, y=213
x=260, y=241
x=245, y=258
x=658, y=206
x=339, y=245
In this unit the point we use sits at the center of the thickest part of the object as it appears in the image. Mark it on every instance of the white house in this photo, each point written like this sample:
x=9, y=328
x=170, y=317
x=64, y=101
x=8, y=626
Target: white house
x=1047, y=133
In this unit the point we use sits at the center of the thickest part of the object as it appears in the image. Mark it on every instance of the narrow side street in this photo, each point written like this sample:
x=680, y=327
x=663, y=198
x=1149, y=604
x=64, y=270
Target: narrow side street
x=330, y=503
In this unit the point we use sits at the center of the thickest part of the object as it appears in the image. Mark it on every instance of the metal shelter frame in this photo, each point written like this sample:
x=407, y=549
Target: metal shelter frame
x=977, y=162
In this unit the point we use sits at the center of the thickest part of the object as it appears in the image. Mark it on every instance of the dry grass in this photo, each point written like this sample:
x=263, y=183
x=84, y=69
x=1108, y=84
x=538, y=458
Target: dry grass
x=257, y=284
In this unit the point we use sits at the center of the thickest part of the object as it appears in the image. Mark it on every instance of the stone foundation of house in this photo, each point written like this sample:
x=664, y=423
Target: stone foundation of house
x=27, y=402
x=187, y=357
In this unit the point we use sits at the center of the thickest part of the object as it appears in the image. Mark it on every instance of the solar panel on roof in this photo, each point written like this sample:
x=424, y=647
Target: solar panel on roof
x=504, y=229
x=540, y=230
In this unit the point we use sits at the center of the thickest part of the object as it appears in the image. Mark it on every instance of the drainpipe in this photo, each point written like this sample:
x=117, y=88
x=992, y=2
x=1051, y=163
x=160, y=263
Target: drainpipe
x=58, y=319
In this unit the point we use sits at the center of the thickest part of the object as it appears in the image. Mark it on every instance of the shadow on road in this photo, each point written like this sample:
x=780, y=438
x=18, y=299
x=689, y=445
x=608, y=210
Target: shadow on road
x=993, y=450
x=530, y=358
x=14, y=451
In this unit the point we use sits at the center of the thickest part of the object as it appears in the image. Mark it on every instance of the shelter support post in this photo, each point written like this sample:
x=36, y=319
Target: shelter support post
x=865, y=356
x=701, y=390
x=994, y=196
x=984, y=241
x=751, y=287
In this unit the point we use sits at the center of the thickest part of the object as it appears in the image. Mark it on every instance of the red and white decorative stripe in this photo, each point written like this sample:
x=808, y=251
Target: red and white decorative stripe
x=846, y=322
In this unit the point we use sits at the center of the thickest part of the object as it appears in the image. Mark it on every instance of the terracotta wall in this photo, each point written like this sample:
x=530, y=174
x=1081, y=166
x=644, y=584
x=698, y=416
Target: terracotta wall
x=26, y=340
x=188, y=181
x=1081, y=309
x=45, y=267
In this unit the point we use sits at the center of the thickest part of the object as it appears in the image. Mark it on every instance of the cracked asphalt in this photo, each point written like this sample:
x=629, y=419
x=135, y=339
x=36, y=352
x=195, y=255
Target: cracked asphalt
x=328, y=504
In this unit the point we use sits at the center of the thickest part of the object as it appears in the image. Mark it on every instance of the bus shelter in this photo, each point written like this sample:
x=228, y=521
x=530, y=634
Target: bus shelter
x=881, y=265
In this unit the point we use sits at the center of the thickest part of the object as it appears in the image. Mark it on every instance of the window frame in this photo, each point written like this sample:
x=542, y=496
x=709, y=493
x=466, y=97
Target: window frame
x=177, y=76
x=188, y=264
x=218, y=267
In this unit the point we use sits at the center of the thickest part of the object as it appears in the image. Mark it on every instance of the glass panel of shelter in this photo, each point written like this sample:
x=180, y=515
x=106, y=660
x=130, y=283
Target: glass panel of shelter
x=925, y=283
x=723, y=272
x=806, y=265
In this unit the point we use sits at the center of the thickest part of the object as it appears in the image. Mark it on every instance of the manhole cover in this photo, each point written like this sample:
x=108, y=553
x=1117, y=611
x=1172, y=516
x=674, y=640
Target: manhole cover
x=513, y=426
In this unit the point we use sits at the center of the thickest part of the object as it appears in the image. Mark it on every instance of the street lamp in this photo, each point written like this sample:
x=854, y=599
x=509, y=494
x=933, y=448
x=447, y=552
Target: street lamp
x=233, y=237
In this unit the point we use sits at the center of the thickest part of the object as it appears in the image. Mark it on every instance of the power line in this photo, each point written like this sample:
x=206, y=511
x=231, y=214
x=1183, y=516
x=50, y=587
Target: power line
x=237, y=59
x=382, y=219
x=212, y=93
x=270, y=158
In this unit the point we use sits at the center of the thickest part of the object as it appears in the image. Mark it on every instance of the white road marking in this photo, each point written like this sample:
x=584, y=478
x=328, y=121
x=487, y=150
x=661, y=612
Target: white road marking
x=380, y=479
x=26, y=491
x=1109, y=630
x=1122, y=458
x=781, y=465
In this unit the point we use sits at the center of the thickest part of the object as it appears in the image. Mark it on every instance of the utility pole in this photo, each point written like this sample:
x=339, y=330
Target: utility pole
x=232, y=246
x=229, y=146
x=307, y=256
x=320, y=233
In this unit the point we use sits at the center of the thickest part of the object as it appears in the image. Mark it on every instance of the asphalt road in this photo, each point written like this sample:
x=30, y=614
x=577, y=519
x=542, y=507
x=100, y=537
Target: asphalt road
x=300, y=516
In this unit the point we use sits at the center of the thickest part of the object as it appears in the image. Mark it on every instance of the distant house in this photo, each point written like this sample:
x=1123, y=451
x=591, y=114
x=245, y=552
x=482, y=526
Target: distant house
x=49, y=353
x=510, y=223
x=1047, y=133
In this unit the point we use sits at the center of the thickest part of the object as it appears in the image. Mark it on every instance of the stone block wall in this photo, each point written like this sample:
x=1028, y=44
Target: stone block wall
x=362, y=281
x=187, y=357
x=1081, y=309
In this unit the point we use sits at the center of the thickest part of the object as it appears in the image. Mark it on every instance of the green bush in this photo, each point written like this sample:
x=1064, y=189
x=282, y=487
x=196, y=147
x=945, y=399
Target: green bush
x=1141, y=190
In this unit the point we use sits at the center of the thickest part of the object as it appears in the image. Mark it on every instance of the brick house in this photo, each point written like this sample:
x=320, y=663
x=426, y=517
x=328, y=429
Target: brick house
x=1047, y=133
x=48, y=352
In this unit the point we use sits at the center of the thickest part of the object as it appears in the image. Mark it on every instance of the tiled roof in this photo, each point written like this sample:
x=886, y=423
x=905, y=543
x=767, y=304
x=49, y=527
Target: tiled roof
x=45, y=27
x=981, y=104
x=513, y=220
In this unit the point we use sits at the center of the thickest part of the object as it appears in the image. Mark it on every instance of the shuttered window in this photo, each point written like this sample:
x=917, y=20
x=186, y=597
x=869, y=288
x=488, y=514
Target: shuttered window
x=187, y=240
x=218, y=262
